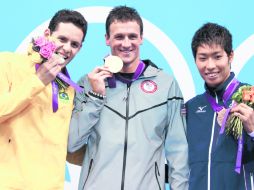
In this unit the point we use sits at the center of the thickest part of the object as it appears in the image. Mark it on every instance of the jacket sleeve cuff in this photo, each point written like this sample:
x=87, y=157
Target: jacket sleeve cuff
x=251, y=134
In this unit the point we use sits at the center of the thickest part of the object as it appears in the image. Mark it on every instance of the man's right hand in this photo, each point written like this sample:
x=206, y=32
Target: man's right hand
x=48, y=71
x=97, y=77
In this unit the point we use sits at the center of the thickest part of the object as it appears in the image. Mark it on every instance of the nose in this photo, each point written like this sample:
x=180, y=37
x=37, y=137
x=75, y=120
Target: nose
x=126, y=42
x=210, y=64
x=67, y=47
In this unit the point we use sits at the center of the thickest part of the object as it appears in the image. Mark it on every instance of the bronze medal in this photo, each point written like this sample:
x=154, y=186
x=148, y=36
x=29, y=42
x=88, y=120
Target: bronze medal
x=221, y=115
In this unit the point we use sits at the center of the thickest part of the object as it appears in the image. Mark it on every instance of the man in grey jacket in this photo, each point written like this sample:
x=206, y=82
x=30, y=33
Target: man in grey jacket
x=131, y=121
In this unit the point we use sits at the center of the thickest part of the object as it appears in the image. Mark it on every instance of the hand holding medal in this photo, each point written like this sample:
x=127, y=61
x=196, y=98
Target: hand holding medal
x=60, y=60
x=40, y=51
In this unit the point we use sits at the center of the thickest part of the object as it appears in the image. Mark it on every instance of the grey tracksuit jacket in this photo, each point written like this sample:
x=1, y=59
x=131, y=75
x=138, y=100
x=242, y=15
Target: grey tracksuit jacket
x=131, y=133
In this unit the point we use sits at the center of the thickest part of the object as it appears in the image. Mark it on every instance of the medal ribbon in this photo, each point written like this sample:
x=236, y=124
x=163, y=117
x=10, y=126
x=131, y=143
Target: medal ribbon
x=65, y=78
x=227, y=94
x=239, y=155
x=136, y=75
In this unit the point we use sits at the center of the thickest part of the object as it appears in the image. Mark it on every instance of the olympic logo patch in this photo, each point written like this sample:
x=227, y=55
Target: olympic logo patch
x=149, y=86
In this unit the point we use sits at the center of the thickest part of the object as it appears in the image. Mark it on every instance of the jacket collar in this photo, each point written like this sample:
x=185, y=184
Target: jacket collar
x=151, y=69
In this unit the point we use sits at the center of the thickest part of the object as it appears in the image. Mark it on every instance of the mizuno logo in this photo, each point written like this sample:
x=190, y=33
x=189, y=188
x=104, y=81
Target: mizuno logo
x=201, y=109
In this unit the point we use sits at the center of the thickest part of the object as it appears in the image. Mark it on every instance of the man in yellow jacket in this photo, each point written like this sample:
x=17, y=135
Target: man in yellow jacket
x=36, y=101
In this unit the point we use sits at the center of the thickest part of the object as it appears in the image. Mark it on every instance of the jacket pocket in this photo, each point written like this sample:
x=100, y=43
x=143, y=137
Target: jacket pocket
x=157, y=173
x=89, y=170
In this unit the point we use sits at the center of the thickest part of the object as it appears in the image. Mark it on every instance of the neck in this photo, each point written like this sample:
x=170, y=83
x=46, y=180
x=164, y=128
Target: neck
x=130, y=67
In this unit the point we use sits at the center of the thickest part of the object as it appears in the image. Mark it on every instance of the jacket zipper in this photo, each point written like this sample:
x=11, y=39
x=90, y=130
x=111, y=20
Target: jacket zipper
x=89, y=170
x=210, y=149
x=157, y=173
x=125, y=137
x=251, y=181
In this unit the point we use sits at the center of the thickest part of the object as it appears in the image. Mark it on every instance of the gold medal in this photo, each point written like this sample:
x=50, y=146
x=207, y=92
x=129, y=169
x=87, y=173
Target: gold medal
x=59, y=58
x=114, y=63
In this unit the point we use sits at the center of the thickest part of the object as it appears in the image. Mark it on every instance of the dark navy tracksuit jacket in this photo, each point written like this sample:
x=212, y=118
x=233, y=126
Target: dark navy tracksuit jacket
x=212, y=156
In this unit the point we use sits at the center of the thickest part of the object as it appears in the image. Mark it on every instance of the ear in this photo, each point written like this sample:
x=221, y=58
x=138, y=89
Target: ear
x=231, y=57
x=47, y=32
x=107, y=40
x=141, y=41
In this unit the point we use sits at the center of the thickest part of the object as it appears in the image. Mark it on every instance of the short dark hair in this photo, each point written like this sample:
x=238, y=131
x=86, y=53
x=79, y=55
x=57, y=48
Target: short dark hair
x=212, y=33
x=68, y=16
x=123, y=14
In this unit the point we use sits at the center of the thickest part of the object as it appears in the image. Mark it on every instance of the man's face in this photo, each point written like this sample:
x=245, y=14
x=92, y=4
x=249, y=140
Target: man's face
x=124, y=41
x=68, y=41
x=213, y=64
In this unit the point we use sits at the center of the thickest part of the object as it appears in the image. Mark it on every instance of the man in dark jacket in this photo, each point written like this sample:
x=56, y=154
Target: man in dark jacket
x=213, y=155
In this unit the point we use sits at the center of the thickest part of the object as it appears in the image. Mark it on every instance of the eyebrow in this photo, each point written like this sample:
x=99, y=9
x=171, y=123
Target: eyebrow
x=213, y=53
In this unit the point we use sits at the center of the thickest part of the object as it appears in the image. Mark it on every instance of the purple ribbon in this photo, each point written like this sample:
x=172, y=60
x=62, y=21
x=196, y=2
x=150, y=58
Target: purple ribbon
x=227, y=94
x=229, y=91
x=137, y=73
x=239, y=155
x=54, y=96
x=112, y=81
x=65, y=78
x=216, y=107
x=222, y=129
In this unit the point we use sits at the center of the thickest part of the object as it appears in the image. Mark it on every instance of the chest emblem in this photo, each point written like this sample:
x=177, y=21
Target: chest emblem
x=201, y=109
x=63, y=97
x=149, y=86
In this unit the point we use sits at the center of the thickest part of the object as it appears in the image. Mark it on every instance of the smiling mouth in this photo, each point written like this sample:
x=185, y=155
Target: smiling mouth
x=212, y=75
x=62, y=56
x=126, y=50
x=126, y=53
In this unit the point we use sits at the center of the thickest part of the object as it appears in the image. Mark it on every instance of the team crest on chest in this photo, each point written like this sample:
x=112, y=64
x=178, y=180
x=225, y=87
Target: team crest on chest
x=63, y=97
x=149, y=86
